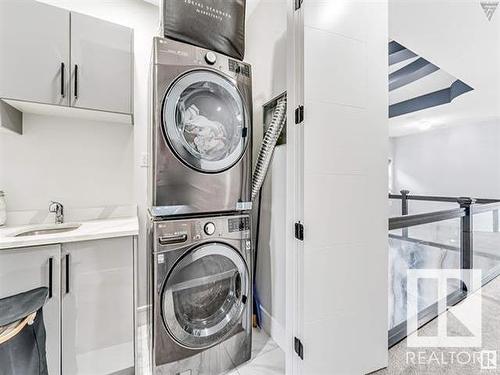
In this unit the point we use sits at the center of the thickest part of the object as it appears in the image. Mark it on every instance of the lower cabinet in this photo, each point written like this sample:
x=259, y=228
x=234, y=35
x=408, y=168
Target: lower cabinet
x=90, y=317
x=29, y=268
x=97, y=307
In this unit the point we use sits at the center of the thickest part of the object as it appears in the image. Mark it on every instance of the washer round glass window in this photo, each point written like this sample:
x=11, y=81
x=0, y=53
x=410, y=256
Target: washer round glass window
x=205, y=121
x=204, y=295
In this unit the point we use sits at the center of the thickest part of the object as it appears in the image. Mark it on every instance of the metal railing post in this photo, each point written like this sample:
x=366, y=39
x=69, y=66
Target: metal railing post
x=404, y=208
x=466, y=236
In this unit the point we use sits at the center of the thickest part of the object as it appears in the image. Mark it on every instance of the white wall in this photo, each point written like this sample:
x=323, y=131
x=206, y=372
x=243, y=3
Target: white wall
x=91, y=163
x=77, y=162
x=271, y=256
x=266, y=51
x=455, y=161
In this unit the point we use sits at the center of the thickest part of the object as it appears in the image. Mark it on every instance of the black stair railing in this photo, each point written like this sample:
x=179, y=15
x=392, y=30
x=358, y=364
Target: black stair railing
x=466, y=209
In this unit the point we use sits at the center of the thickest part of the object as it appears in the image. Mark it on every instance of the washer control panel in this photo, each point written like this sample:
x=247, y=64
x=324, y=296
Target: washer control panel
x=238, y=224
x=173, y=234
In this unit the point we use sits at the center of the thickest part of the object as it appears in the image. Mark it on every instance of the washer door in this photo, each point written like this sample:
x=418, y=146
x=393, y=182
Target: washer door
x=204, y=295
x=205, y=121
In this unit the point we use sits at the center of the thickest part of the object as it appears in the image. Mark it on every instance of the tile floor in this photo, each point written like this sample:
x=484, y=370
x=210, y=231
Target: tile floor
x=267, y=356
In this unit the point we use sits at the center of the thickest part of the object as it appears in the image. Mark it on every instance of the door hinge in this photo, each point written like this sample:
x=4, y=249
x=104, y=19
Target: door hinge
x=299, y=231
x=299, y=114
x=298, y=4
x=299, y=348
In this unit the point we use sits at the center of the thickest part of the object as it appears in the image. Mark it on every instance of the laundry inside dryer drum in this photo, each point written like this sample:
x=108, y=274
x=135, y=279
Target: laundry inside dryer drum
x=205, y=121
x=205, y=295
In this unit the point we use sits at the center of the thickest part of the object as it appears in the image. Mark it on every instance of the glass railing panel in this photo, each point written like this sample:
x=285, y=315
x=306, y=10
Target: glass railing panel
x=486, y=240
x=446, y=232
x=422, y=207
x=428, y=246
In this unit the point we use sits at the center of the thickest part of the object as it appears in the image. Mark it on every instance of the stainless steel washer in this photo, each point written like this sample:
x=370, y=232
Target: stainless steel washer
x=201, y=131
x=202, y=294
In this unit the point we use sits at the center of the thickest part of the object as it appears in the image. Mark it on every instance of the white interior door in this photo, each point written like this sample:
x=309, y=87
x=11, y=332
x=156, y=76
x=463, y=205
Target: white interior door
x=29, y=268
x=339, y=179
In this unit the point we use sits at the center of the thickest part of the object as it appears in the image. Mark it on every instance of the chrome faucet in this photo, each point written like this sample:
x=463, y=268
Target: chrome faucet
x=58, y=209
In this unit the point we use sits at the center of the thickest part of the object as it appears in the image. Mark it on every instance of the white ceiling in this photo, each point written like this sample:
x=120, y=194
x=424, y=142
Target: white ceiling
x=456, y=36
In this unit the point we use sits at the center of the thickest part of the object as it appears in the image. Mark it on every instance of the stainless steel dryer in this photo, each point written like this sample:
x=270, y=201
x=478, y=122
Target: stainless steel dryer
x=202, y=293
x=201, y=133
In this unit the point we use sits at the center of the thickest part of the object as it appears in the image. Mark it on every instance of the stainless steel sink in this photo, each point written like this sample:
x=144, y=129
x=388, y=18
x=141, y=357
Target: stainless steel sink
x=58, y=228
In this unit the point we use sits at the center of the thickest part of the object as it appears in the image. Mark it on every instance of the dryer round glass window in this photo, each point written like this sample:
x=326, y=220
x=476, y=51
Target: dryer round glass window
x=205, y=295
x=205, y=121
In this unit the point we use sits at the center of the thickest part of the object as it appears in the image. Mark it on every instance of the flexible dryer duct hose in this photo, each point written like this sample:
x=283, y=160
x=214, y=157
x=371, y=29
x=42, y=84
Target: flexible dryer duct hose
x=267, y=148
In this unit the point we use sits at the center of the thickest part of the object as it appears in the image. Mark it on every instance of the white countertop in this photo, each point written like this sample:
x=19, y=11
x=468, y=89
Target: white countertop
x=89, y=230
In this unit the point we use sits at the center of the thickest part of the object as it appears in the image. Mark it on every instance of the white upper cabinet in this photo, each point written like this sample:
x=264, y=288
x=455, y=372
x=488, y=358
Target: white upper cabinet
x=34, y=52
x=81, y=66
x=101, y=65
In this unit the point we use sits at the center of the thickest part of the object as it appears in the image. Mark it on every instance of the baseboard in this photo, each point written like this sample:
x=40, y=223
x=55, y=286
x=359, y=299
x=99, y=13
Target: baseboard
x=273, y=328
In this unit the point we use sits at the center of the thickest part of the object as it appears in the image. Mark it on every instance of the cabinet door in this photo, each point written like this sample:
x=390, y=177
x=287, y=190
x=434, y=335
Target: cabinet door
x=101, y=59
x=34, y=50
x=97, y=312
x=28, y=268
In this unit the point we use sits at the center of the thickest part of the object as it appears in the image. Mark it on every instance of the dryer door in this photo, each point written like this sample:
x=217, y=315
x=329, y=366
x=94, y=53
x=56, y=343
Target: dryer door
x=205, y=121
x=204, y=295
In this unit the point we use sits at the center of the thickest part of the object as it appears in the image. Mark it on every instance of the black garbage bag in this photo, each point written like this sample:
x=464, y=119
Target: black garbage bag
x=22, y=334
x=218, y=25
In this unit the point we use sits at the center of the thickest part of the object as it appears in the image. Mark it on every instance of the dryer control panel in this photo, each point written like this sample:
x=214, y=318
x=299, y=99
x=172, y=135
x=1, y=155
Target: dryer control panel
x=239, y=67
x=238, y=224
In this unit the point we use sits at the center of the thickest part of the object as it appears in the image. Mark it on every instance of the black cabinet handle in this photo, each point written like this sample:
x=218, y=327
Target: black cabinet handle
x=76, y=81
x=67, y=273
x=62, y=79
x=51, y=275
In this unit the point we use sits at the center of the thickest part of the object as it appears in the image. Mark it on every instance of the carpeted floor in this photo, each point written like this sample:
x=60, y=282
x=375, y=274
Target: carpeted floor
x=453, y=361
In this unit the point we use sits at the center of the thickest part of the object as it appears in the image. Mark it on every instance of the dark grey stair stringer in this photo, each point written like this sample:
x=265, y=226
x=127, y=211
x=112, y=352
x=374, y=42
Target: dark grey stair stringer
x=433, y=99
x=412, y=72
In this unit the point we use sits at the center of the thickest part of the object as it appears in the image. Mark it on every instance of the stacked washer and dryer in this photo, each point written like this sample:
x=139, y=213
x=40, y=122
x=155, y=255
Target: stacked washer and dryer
x=199, y=197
